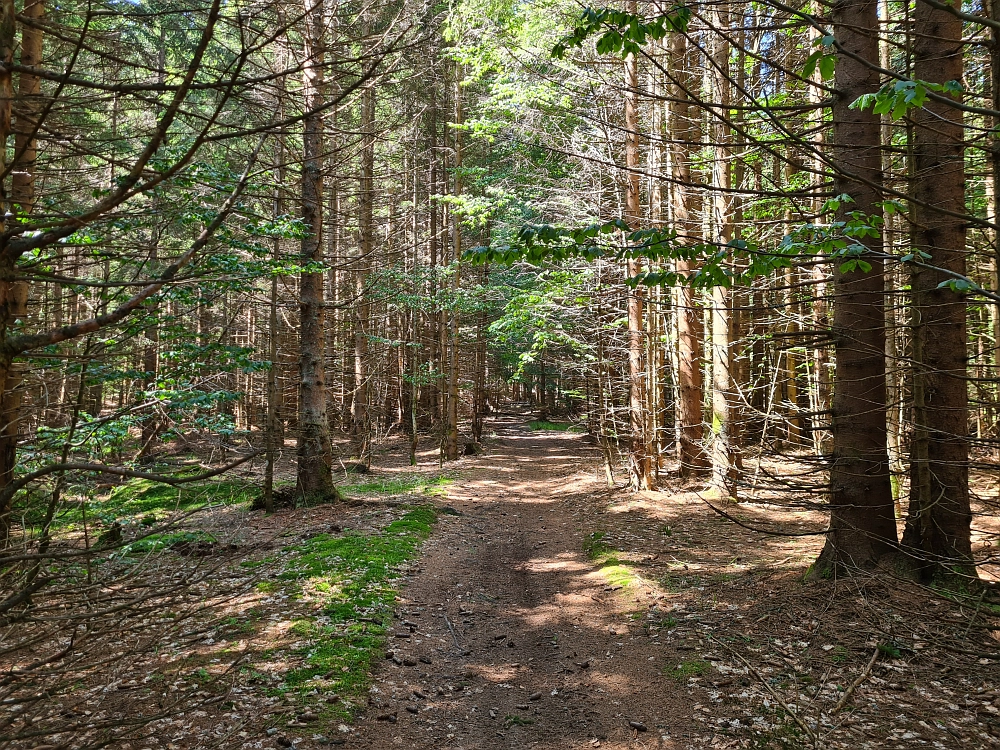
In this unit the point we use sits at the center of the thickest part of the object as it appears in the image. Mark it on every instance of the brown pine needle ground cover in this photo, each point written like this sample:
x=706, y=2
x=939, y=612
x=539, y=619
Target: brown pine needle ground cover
x=511, y=601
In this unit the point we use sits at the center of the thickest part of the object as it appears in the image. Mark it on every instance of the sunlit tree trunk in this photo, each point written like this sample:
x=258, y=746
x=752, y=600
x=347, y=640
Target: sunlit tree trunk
x=684, y=133
x=725, y=438
x=639, y=464
x=994, y=214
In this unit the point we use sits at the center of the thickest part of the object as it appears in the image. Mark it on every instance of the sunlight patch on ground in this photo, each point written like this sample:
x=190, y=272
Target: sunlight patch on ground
x=501, y=673
x=545, y=565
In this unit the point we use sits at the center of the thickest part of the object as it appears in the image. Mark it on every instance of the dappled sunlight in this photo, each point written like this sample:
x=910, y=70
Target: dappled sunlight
x=543, y=565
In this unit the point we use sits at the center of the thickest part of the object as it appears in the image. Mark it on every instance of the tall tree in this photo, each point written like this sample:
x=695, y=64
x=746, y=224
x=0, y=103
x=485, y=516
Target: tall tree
x=862, y=525
x=940, y=516
x=640, y=467
x=361, y=421
x=315, y=452
x=451, y=415
x=683, y=129
x=725, y=437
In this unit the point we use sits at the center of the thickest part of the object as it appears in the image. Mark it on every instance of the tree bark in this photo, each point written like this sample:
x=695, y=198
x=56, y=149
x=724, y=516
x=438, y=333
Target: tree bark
x=315, y=452
x=640, y=473
x=939, y=519
x=14, y=294
x=725, y=436
x=862, y=526
x=683, y=128
x=451, y=418
x=361, y=426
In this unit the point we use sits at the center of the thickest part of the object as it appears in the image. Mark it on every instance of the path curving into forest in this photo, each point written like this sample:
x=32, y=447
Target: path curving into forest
x=508, y=634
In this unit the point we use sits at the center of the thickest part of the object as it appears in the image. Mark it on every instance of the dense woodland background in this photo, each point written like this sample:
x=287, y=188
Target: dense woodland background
x=749, y=243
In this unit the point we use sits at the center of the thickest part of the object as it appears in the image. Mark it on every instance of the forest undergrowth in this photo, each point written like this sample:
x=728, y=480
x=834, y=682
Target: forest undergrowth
x=237, y=629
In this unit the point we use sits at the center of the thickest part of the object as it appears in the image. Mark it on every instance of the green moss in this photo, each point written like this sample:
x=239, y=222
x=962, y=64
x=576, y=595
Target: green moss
x=513, y=720
x=157, y=542
x=618, y=575
x=890, y=649
x=598, y=550
x=401, y=485
x=784, y=735
x=688, y=669
x=595, y=546
x=147, y=503
x=353, y=579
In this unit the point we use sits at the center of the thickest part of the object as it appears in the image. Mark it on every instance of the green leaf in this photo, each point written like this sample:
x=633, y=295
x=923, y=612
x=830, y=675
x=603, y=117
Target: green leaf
x=810, y=65
x=959, y=286
x=827, y=66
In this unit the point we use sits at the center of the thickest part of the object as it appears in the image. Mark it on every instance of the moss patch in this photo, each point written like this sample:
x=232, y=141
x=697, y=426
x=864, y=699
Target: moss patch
x=157, y=542
x=601, y=552
x=352, y=579
x=148, y=502
x=403, y=485
x=687, y=669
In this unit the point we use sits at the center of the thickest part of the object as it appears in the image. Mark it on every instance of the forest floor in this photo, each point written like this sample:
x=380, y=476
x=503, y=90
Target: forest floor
x=534, y=607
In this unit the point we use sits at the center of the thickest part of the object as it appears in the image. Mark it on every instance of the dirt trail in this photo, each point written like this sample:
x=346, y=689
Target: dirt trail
x=508, y=636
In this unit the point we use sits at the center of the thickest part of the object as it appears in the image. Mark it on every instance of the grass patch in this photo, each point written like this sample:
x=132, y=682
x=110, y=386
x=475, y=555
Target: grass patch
x=618, y=575
x=675, y=584
x=840, y=655
x=601, y=552
x=513, y=720
x=146, y=502
x=352, y=577
x=556, y=426
x=157, y=542
x=595, y=546
x=405, y=485
x=137, y=502
x=687, y=669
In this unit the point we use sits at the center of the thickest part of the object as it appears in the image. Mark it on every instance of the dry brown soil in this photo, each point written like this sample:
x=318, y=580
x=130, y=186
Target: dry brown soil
x=529, y=644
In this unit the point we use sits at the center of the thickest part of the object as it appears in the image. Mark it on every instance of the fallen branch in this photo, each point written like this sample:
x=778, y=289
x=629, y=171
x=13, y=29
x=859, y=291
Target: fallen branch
x=452, y=631
x=802, y=725
x=854, y=685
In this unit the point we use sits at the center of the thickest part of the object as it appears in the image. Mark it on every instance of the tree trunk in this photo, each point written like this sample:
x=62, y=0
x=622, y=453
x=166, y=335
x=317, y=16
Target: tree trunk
x=683, y=128
x=14, y=294
x=315, y=452
x=640, y=473
x=725, y=437
x=994, y=216
x=451, y=425
x=939, y=519
x=361, y=426
x=862, y=528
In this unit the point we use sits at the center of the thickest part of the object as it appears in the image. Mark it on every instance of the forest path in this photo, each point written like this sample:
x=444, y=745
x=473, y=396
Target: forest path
x=515, y=637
